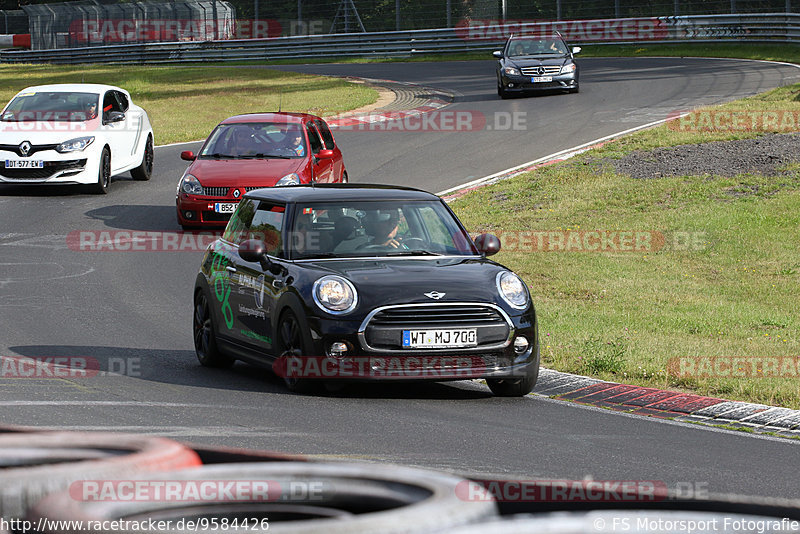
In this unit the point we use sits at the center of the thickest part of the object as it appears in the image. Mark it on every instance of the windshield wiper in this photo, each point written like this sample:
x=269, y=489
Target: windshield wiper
x=217, y=156
x=418, y=252
x=263, y=156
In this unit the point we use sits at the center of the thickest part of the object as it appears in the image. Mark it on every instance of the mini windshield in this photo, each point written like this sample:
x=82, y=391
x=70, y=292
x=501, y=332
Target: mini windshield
x=49, y=106
x=255, y=140
x=536, y=47
x=384, y=228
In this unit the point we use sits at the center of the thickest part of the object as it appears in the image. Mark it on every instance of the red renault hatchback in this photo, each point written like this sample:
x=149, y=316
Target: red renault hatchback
x=252, y=151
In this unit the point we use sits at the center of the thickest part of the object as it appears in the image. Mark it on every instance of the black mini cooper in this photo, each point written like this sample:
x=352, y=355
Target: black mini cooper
x=341, y=282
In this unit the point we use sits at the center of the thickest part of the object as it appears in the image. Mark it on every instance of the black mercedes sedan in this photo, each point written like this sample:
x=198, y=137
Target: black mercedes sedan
x=346, y=282
x=535, y=64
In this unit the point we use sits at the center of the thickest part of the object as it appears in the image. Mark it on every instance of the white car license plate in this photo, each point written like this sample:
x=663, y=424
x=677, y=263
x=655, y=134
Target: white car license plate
x=539, y=79
x=225, y=207
x=455, y=338
x=24, y=164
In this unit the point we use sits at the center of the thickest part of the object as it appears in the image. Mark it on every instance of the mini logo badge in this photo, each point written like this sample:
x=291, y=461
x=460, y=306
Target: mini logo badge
x=435, y=295
x=24, y=148
x=236, y=193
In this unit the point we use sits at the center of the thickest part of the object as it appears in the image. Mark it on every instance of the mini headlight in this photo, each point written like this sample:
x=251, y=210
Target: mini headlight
x=190, y=184
x=512, y=289
x=74, y=145
x=569, y=67
x=511, y=70
x=335, y=294
x=289, y=179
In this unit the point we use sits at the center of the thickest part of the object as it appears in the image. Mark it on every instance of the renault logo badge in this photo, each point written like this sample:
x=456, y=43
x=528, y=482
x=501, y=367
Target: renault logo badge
x=435, y=295
x=236, y=193
x=24, y=148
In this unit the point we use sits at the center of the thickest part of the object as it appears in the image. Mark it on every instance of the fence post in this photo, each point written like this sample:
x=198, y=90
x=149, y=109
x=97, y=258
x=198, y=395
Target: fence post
x=558, y=9
x=450, y=18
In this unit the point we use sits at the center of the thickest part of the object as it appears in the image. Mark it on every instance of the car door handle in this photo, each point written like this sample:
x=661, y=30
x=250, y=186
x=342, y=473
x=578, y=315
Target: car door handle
x=277, y=284
x=230, y=269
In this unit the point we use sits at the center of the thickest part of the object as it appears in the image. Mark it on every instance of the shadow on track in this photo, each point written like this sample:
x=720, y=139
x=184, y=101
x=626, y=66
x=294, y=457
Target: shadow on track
x=180, y=367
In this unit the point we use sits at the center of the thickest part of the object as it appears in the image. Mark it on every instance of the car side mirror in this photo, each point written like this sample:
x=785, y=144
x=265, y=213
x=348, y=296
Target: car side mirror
x=498, y=54
x=114, y=116
x=188, y=155
x=576, y=49
x=487, y=244
x=325, y=154
x=255, y=251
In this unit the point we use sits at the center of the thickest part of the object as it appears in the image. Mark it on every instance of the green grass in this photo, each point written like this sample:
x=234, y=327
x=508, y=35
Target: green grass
x=732, y=291
x=185, y=103
x=771, y=52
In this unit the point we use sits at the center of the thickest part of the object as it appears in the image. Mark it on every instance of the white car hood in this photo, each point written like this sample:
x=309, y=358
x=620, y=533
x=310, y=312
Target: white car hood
x=44, y=133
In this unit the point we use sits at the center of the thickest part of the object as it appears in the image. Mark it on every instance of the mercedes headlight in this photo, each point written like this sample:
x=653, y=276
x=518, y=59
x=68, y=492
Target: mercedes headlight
x=512, y=289
x=514, y=71
x=289, y=179
x=335, y=294
x=569, y=67
x=190, y=184
x=74, y=145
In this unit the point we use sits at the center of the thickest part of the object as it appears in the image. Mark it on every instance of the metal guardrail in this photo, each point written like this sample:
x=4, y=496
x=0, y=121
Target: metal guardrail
x=773, y=27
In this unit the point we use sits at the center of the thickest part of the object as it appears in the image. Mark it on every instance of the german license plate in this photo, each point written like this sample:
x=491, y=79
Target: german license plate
x=540, y=79
x=454, y=338
x=24, y=164
x=225, y=207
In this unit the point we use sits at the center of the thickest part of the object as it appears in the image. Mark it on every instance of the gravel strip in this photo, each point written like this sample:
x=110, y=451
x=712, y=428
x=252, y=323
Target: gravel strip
x=762, y=155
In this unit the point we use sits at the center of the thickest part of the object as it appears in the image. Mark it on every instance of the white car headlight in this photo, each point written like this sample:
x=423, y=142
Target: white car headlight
x=512, y=289
x=569, y=67
x=190, y=184
x=289, y=179
x=74, y=145
x=335, y=294
x=511, y=70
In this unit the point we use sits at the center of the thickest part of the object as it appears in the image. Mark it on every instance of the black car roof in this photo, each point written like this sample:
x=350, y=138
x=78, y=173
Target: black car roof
x=324, y=192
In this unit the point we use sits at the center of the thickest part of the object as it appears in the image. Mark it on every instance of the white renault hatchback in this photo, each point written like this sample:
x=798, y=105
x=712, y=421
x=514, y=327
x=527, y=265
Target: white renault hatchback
x=74, y=134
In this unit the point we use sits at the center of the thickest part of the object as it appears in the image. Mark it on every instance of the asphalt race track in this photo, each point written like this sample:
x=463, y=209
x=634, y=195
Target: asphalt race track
x=132, y=310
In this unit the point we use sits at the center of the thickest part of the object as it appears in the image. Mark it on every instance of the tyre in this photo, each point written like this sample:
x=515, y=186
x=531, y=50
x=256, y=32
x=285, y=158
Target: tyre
x=38, y=463
x=104, y=173
x=293, y=342
x=145, y=170
x=501, y=92
x=205, y=341
x=302, y=498
x=515, y=387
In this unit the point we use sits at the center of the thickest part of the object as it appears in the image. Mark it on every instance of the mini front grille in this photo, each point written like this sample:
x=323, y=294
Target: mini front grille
x=215, y=191
x=437, y=316
x=383, y=330
x=543, y=70
x=50, y=169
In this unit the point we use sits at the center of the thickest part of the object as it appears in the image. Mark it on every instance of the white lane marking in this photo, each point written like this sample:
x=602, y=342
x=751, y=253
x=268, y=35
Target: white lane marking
x=554, y=155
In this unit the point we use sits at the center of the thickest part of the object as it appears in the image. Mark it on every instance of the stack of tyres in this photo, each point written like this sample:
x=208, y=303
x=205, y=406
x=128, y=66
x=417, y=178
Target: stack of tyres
x=285, y=497
x=35, y=464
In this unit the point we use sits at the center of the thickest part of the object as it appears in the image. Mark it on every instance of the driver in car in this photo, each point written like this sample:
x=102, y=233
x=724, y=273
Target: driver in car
x=384, y=231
